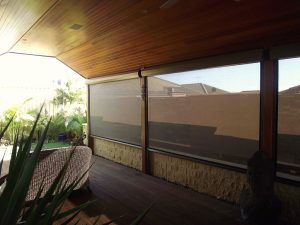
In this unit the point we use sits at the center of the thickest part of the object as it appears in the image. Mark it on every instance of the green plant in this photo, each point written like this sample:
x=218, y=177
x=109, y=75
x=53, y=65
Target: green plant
x=22, y=118
x=43, y=210
x=57, y=126
x=67, y=94
x=74, y=125
x=14, y=186
x=9, y=131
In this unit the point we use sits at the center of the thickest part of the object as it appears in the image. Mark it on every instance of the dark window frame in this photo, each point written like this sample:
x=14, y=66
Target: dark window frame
x=254, y=56
x=277, y=54
x=110, y=79
x=274, y=54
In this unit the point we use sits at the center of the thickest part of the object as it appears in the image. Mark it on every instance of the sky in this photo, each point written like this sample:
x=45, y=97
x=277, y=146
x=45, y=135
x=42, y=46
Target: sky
x=25, y=76
x=239, y=78
x=289, y=73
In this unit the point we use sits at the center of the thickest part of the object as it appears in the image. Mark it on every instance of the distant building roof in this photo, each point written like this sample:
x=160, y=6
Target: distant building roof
x=160, y=87
x=292, y=90
x=200, y=88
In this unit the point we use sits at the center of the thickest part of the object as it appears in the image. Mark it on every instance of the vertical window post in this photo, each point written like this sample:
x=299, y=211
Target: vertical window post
x=144, y=123
x=90, y=141
x=268, y=117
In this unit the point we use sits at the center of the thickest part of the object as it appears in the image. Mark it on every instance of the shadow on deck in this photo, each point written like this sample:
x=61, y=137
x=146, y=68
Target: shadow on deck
x=121, y=190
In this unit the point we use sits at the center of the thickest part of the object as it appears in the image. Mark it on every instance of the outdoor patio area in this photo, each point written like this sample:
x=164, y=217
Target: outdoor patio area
x=188, y=112
x=120, y=190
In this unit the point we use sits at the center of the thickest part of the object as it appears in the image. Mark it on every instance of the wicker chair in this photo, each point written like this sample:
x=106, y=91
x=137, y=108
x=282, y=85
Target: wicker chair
x=51, y=162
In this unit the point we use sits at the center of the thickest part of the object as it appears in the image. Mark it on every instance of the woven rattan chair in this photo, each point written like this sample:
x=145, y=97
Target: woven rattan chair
x=52, y=161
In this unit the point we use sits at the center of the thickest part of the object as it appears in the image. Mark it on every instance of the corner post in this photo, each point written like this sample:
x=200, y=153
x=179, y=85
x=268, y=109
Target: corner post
x=144, y=124
x=90, y=141
x=268, y=106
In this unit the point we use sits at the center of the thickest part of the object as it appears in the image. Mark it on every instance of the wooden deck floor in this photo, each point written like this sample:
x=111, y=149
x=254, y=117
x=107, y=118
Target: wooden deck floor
x=121, y=190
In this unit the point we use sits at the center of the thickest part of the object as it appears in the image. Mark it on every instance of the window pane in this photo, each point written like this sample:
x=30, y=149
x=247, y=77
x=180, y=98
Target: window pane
x=289, y=118
x=210, y=113
x=115, y=110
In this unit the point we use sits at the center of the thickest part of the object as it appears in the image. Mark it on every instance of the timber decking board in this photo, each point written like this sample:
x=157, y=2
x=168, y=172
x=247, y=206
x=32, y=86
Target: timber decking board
x=121, y=190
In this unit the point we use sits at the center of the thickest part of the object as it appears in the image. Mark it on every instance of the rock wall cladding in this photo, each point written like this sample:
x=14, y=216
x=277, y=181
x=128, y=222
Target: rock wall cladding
x=221, y=183
x=123, y=154
x=290, y=199
x=214, y=181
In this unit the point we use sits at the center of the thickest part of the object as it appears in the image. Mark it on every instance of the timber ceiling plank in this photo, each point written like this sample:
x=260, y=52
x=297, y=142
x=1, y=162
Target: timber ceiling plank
x=55, y=33
x=121, y=36
x=186, y=33
x=16, y=17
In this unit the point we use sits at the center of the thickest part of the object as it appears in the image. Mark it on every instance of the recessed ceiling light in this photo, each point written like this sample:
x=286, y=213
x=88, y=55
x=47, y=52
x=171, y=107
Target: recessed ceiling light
x=76, y=26
x=145, y=11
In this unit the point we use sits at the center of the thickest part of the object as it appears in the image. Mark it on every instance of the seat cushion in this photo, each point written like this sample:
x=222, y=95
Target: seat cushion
x=50, y=164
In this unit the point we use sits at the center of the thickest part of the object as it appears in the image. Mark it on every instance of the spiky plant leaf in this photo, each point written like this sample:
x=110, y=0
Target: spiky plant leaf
x=1, y=163
x=74, y=210
x=6, y=127
x=21, y=181
x=2, y=180
x=44, y=209
x=96, y=221
x=52, y=199
x=69, y=220
x=115, y=219
x=140, y=217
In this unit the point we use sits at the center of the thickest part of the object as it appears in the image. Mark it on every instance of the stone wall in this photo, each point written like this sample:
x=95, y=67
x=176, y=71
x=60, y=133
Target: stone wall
x=123, y=154
x=214, y=181
x=290, y=198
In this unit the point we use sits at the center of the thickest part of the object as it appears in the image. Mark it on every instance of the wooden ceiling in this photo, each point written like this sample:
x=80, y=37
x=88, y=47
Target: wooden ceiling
x=17, y=17
x=104, y=37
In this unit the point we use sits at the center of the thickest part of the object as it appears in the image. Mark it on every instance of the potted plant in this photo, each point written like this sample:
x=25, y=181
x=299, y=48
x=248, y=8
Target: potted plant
x=14, y=186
